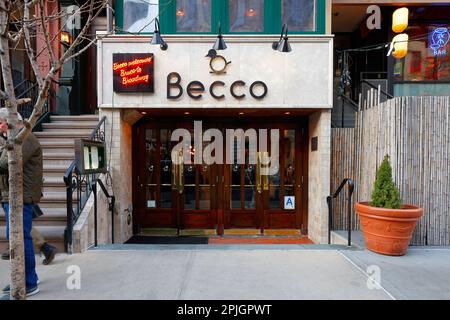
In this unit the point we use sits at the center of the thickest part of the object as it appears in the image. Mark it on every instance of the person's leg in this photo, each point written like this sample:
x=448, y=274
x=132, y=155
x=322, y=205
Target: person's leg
x=38, y=239
x=5, y=208
x=5, y=255
x=30, y=261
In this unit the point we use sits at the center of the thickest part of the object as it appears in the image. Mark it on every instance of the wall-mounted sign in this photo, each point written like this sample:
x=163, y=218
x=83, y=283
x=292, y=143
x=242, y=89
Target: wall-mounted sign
x=90, y=156
x=217, y=63
x=439, y=39
x=195, y=89
x=289, y=203
x=133, y=72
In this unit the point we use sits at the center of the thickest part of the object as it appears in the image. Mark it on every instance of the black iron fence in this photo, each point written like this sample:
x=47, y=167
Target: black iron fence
x=79, y=188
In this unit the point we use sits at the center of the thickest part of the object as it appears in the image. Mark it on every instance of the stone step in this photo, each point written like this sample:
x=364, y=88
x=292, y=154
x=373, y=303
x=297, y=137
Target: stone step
x=54, y=171
x=74, y=131
x=63, y=159
x=68, y=149
x=58, y=147
x=51, y=216
x=54, y=181
x=55, y=188
x=90, y=117
x=55, y=199
x=45, y=135
x=54, y=235
x=63, y=125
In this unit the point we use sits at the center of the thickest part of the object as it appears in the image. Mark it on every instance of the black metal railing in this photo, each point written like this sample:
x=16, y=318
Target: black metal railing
x=351, y=188
x=28, y=89
x=79, y=187
x=381, y=95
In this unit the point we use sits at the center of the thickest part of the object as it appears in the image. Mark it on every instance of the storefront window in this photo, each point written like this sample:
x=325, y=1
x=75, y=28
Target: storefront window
x=428, y=59
x=299, y=15
x=138, y=15
x=246, y=15
x=193, y=15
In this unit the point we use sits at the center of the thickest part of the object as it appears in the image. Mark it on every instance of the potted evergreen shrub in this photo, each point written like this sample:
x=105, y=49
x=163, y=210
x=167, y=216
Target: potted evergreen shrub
x=386, y=223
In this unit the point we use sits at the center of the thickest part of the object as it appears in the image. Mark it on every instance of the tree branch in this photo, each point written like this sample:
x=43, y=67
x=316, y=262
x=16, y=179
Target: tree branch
x=94, y=11
x=29, y=49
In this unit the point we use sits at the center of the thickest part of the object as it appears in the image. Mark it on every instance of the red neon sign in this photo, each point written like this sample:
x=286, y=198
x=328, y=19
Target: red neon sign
x=133, y=72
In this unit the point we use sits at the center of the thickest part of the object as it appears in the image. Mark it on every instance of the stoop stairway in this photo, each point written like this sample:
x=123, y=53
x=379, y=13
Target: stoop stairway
x=57, y=141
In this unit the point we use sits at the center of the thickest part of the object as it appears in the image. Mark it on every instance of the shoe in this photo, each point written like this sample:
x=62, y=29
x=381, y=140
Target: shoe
x=7, y=289
x=49, y=253
x=5, y=255
x=30, y=291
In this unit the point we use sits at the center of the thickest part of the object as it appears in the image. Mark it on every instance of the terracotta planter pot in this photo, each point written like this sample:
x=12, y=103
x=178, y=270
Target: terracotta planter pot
x=388, y=231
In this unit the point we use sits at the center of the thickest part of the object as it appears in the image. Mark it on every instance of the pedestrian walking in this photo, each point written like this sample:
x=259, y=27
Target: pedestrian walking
x=32, y=193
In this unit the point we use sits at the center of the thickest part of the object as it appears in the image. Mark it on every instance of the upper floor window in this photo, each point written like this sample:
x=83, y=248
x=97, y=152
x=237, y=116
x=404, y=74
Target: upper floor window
x=299, y=15
x=246, y=15
x=193, y=15
x=138, y=15
x=234, y=16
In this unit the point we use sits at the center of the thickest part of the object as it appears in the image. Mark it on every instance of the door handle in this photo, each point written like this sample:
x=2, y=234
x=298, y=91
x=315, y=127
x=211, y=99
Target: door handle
x=258, y=181
x=262, y=170
x=181, y=174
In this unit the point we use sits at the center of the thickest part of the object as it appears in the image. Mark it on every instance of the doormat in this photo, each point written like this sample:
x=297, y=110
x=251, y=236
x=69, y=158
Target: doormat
x=260, y=240
x=167, y=240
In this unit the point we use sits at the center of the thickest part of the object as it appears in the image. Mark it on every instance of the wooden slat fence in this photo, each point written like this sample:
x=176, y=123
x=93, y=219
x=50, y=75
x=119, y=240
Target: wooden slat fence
x=415, y=133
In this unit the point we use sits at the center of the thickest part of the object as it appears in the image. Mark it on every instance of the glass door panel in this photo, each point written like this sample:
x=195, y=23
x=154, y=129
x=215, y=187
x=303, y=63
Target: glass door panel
x=151, y=161
x=166, y=169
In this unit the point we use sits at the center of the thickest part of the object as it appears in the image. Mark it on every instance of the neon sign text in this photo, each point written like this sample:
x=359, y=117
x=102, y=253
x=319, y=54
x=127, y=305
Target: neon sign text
x=439, y=39
x=133, y=72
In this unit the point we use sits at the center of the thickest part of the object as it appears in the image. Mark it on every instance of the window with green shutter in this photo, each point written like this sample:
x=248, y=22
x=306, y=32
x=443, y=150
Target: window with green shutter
x=234, y=16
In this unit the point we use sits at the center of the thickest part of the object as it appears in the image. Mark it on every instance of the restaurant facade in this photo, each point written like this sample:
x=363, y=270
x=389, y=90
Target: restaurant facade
x=258, y=95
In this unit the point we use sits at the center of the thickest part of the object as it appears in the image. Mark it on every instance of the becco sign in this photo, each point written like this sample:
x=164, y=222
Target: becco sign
x=133, y=72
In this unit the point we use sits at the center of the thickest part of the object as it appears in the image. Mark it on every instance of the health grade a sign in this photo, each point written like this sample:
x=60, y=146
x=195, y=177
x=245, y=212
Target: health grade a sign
x=133, y=72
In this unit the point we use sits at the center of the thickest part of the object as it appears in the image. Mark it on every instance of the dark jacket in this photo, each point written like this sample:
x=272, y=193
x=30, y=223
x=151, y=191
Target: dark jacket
x=32, y=171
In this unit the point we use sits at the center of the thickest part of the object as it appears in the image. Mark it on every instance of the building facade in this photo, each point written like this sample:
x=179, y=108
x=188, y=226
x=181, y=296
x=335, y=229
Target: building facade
x=361, y=54
x=148, y=93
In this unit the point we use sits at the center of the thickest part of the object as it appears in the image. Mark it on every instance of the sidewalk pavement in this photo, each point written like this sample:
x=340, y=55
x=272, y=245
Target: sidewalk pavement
x=242, y=273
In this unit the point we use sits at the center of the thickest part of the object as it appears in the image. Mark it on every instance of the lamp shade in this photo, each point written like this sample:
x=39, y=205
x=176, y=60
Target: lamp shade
x=400, y=20
x=284, y=45
x=400, y=42
x=220, y=43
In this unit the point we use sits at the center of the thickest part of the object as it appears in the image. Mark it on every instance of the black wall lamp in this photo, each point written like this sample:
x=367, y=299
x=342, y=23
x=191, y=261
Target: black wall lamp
x=283, y=44
x=157, y=39
x=220, y=43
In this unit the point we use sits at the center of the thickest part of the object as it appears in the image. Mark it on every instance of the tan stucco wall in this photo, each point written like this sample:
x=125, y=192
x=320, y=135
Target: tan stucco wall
x=119, y=138
x=319, y=176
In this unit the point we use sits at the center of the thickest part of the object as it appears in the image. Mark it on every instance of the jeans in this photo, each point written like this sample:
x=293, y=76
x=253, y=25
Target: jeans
x=30, y=261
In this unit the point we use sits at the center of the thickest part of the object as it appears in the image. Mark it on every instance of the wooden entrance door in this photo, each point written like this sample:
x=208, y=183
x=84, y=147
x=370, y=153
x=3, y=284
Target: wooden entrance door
x=194, y=196
x=275, y=201
x=170, y=195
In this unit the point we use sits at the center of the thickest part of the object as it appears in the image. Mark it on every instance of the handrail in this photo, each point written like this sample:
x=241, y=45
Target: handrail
x=351, y=188
x=27, y=91
x=379, y=89
x=21, y=83
x=81, y=184
x=353, y=104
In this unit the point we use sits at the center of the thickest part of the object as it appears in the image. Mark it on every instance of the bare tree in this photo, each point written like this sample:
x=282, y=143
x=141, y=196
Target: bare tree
x=30, y=18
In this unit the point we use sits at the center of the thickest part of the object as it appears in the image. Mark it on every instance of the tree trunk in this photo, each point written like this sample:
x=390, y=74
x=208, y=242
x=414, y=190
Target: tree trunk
x=16, y=238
